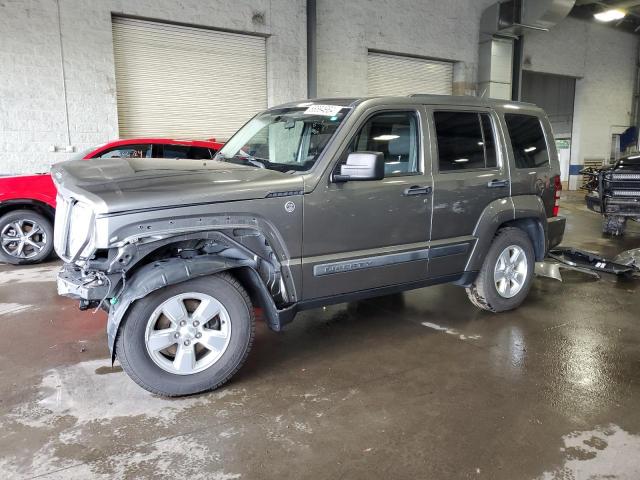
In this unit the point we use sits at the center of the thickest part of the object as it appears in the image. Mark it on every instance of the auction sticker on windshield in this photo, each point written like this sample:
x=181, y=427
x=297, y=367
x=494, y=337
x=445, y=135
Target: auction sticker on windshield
x=328, y=110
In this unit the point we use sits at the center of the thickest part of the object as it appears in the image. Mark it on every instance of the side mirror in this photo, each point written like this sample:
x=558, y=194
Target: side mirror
x=361, y=166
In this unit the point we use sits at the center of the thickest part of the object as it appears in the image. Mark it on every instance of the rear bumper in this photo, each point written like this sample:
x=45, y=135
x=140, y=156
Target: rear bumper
x=555, y=230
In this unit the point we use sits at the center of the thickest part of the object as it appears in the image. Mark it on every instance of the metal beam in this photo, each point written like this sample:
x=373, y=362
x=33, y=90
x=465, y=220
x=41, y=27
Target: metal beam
x=312, y=62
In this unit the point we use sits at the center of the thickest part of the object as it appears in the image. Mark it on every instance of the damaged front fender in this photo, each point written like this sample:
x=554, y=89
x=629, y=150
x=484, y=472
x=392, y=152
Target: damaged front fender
x=160, y=274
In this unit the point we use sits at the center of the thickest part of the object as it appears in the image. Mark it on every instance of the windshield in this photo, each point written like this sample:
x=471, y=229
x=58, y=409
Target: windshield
x=287, y=139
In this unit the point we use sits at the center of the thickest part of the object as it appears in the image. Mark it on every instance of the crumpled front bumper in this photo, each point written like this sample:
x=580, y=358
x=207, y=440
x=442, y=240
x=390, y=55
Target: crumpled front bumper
x=74, y=283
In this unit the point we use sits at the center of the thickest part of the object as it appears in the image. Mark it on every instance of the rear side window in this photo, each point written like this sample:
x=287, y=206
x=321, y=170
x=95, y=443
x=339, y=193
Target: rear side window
x=465, y=141
x=527, y=140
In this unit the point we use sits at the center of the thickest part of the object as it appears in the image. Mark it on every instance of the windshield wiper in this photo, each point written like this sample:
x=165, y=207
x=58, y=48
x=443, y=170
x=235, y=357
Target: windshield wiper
x=251, y=160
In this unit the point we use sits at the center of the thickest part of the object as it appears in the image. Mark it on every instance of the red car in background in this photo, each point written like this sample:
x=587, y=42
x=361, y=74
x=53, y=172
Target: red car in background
x=28, y=202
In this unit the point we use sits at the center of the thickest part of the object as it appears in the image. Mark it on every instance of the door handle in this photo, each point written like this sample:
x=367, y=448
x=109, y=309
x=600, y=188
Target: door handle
x=497, y=183
x=417, y=190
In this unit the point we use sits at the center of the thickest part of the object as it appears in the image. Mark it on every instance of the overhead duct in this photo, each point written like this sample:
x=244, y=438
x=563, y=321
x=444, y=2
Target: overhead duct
x=512, y=17
x=501, y=25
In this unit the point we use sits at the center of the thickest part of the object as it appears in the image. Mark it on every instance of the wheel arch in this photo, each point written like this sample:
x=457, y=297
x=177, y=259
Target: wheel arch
x=534, y=230
x=525, y=212
x=172, y=271
x=38, y=206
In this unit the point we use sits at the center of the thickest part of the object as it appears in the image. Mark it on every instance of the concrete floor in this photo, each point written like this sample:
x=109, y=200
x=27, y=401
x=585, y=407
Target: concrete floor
x=420, y=385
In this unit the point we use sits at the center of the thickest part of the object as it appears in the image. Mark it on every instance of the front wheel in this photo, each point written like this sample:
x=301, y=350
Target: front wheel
x=187, y=338
x=505, y=278
x=26, y=237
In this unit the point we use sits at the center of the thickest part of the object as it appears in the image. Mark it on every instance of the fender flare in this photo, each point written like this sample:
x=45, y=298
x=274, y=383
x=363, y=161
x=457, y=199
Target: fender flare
x=171, y=271
x=498, y=212
x=522, y=211
x=530, y=216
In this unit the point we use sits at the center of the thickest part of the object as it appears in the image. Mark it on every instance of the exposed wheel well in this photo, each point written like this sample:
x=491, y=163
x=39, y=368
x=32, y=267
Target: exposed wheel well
x=23, y=204
x=533, y=228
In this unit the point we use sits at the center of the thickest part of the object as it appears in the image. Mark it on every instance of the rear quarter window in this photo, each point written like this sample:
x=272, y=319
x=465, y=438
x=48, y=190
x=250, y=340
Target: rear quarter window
x=527, y=140
x=465, y=141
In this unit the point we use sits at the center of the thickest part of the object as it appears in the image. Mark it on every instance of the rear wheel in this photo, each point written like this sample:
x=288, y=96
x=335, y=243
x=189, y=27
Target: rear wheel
x=613, y=225
x=505, y=278
x=187, y=338
x=26, y=237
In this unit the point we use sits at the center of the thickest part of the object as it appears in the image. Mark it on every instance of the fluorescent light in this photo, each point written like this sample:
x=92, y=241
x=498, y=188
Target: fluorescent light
x=461, y=160
x=530, y=149
x=481, y=143
x=610, y=15
x=386, y=138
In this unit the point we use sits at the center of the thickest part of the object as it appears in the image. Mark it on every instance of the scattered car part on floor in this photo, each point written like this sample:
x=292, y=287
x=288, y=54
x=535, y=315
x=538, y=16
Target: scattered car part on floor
x=625, y=264
x=551, y=269
x=629, y=257
x=592, y=261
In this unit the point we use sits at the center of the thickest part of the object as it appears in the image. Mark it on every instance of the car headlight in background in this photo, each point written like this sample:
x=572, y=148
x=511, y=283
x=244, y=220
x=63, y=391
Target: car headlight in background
x=80, y=233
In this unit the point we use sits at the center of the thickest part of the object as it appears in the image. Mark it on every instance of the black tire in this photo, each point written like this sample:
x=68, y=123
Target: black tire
x=613, y=225
x=46, y=238
x=483, y=293
x=135, y=360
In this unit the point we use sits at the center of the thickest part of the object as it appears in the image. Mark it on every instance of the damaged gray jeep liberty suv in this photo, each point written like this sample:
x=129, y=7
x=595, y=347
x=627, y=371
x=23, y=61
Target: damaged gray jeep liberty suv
x=309, y=204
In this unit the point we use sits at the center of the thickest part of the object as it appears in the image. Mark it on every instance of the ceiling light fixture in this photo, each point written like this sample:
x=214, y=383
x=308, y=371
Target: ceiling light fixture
x=385, y=138
x=610, y=15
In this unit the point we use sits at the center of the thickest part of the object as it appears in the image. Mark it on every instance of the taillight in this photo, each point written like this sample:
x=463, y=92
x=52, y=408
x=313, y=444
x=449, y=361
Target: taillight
x=557, y=188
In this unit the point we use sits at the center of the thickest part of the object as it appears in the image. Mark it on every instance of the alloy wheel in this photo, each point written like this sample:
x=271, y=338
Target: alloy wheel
x=188, y=333
x=510, y=272
x=23, y=238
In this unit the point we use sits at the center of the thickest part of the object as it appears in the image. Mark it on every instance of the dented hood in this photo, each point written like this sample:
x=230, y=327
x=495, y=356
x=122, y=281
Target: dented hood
x=120, y=185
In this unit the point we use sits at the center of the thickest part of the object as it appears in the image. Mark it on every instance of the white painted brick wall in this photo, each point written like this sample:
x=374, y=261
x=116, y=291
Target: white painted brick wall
x=430, y=28
x=32, y=108
x=604, y=61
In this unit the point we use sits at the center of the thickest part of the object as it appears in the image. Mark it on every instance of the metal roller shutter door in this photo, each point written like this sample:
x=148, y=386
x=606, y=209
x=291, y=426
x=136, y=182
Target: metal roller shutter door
x=184, y=82
x=398, y=75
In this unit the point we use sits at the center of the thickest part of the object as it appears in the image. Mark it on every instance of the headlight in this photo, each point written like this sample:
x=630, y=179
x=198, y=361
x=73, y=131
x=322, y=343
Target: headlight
x=80, y=237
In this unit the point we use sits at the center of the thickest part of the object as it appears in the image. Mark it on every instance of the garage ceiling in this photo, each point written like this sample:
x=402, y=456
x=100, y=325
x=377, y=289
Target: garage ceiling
x=586, y=9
